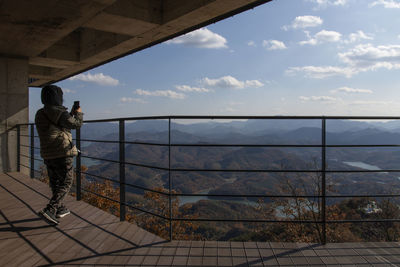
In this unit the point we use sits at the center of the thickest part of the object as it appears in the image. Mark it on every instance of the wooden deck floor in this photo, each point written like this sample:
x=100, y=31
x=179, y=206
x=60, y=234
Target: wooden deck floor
x=91, y=237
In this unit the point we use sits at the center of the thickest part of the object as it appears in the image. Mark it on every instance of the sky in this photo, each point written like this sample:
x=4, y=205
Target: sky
x=286, y=57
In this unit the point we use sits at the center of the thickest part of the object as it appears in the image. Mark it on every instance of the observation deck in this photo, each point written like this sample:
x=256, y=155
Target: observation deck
x=90, y=236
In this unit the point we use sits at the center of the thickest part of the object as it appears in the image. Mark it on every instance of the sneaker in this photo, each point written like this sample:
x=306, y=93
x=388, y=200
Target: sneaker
x=49, y=214
x=62, y=211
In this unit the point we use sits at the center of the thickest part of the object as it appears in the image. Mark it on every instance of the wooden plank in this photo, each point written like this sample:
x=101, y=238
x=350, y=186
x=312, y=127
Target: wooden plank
x=91, y=233
x=90, y=236
x=68, y=243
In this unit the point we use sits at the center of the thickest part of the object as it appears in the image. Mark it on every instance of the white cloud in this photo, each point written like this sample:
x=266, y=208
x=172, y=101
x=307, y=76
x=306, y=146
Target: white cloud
x=68, y=91
x=366, y=57
x=164, y=93
x=362, y=58
x=321, y=98
x=98, y=78
x=325, y=3
x=302, y=22
x=231, y=82
x=358, y=36
x=201, y=38
x=323, y=36
x=187, y=88
x=385, y=4
x=321, y=72
x=345, y=89
x=274, y=45
x=132, y=99
x=251, y=43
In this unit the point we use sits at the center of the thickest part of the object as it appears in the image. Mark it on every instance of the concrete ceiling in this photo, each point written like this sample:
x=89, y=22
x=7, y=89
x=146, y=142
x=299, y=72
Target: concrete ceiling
x=62, y=38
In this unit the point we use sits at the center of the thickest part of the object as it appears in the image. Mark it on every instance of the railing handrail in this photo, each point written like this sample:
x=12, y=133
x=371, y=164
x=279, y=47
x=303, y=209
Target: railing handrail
x=244, y=117
x=121, y=161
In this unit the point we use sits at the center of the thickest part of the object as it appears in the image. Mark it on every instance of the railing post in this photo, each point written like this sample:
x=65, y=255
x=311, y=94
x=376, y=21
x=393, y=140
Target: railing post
x=323, y=186
x=18, y=148
x=169, y=180
x=78, y=173
x=32, y=150
x=122, y=207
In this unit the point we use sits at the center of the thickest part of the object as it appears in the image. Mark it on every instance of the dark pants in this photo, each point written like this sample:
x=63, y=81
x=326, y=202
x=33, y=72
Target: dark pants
x=60, y=173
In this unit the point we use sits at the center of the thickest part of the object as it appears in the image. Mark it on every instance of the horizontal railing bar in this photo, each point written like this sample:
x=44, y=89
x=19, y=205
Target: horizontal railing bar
x=359, y=171
x=242, y=118
x=290, y=171
x=281, y=196
x=146, y=211
x=280, y=221
x=24, y=166
x=91, y=192
x=247, y=118
x=235, y=195
x=229, y=145
x=30, y=157
x=128, y=163
x=363, y=196
x=128, y=205
x=116, y=181
x=109, y=160
x=363, y=221
x=243, y=220
x=124, y=142
x=146, y=166
x=388, y=145
x=145, y=143
x=239, y=145
x=243, y=195
x=30, y=146
x=230, y=170
x=29, y=168
x=272, y=145
x=25, y=135
x=147, y=189
x=100, y=177
x=98, y=141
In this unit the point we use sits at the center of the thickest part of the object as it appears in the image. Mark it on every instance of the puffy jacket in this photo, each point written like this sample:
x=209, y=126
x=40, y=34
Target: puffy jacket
x=53, y=124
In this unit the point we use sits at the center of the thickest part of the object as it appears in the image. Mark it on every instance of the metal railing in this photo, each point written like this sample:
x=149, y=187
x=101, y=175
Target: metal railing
x=322, y=220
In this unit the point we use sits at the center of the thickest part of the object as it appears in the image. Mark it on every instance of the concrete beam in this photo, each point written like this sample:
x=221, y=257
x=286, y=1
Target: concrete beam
x=51, y=62
x=66, y=49
x=119, y=24
x=145, y=10
x=39, y=72
x=173, y=9
x=30, y=27
x=95, y=42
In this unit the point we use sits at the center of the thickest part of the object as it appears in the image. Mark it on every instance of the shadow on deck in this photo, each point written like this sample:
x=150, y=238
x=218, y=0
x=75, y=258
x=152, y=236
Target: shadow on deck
x=90, y=236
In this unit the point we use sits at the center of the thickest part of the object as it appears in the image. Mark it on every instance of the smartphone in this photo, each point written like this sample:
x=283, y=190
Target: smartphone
x=76, y=105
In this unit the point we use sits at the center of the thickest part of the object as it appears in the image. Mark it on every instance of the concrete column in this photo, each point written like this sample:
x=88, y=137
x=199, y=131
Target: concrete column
x=14, y=109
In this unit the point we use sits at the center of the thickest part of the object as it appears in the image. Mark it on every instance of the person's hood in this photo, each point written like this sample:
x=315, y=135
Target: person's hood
x=52, y=95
